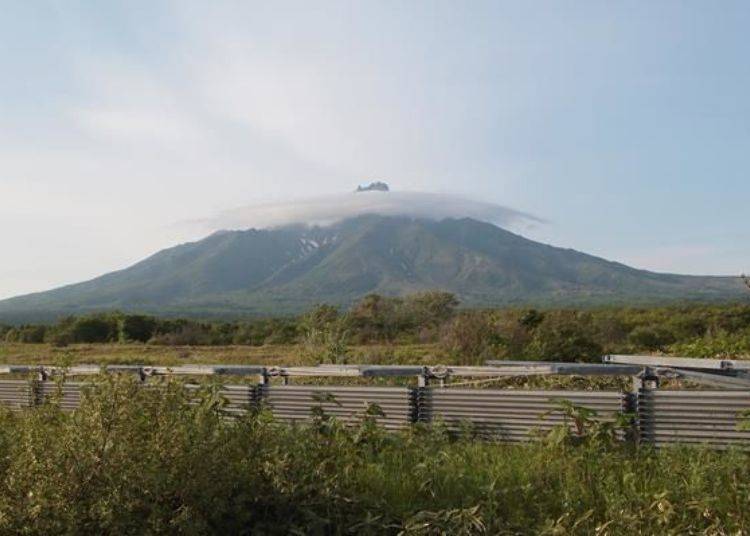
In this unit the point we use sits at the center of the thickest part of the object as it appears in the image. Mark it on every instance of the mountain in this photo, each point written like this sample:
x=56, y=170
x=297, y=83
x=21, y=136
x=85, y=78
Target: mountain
x=285, y=270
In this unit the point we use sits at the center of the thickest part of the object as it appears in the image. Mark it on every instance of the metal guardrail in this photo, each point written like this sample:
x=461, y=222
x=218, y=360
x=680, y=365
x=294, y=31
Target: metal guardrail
x=512, y=415
x=294, y=403
x=662, y=417
x=497, y=369
x=67, y=394
x=679, y=362
x=704, y=417
x=17, y=394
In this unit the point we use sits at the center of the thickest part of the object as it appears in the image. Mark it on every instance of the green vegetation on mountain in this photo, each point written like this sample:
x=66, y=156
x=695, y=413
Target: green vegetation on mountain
x=287, y=270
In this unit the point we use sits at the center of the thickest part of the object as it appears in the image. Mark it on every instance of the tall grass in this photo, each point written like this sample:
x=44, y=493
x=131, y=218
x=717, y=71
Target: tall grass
x=160, y=460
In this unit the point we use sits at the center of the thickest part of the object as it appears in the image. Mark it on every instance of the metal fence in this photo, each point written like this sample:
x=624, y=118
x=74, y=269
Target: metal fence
x=17, y=394
x=295, y=403
x=660, y=417
x=705, y=417
x=512, y=415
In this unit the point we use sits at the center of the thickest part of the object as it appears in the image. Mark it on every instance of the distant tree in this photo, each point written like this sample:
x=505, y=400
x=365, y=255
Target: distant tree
x=650, y=338
x=183, y=333
x=472, y=337
x=319, y=318
x=430, y=308
x=564, y=336
x=138, y=328
x=28, y=334
x=316, y=325
x=11, y=335
x=4, y=329
x=281, y=331
x=94, y=329
x=531, y=319
x=375, y=317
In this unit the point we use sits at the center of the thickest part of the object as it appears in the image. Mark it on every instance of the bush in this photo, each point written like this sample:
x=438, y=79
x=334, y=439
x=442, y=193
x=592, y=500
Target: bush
x=136, y=328
x=376, y=318
x=188, y=334
x=145, y=461
x=4, y=329
x=94, y=329
x=472, y=338
x=27, y=334
x=565, y=336
x=650, y=338
x=430, y=309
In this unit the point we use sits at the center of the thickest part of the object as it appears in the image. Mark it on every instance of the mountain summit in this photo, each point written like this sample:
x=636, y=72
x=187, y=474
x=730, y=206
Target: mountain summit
x=376, y=186
x=288, y=269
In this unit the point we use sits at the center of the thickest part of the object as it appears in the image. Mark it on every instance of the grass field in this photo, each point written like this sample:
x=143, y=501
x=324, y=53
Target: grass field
x=269, y=355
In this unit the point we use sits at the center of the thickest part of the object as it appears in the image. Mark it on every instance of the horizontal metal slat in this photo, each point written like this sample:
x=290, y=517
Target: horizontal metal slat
x=349, y=404
x=513, y=415
x=697, y=417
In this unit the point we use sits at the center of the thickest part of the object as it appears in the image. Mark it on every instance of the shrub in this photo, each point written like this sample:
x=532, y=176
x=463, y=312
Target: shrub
x=94, y=329
x=188, y=334
x=564, y=336
x=430, y=309
x=27, y=334
x=137, y=328
x=165, y=460
x=4, y=329
x=650, y=338
x=472, y=338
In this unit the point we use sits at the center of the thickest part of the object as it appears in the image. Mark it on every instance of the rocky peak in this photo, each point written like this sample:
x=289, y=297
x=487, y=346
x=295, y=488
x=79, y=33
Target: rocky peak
x=376, y=186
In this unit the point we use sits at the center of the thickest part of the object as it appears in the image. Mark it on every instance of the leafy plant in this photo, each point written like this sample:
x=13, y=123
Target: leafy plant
x=164, y=459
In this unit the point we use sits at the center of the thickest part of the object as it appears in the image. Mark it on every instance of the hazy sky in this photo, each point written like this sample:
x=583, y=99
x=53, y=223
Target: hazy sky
x=624, y=125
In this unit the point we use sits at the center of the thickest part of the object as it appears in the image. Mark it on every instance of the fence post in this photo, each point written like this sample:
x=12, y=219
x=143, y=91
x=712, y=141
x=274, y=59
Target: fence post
x=631, y=406
x=37, y=387
x=418, y=398
x=645, y=382
x=259, y=389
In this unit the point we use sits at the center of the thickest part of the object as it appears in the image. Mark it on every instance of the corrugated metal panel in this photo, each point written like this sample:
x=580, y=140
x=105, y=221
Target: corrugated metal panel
x=67, y=395
x=16, y=394
x=240, y=398
x=511, y=415
x=707, y=417
x=294, y=403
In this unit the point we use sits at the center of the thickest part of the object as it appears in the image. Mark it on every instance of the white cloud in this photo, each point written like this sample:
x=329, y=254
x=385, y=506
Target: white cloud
x=142, y=125
x=325, y=210
x=695, y=258
x=129, y=103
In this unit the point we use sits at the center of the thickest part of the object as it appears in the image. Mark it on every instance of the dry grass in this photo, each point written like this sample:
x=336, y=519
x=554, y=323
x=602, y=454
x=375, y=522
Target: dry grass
x=271, y=355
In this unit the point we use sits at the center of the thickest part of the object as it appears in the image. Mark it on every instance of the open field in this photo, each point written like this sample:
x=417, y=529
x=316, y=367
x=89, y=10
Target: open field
x=269, y=355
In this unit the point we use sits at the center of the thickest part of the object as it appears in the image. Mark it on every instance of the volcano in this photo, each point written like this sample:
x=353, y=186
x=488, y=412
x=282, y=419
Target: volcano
x=288, y=269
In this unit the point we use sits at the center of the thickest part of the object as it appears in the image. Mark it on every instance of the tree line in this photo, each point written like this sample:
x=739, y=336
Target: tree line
x=431, y=318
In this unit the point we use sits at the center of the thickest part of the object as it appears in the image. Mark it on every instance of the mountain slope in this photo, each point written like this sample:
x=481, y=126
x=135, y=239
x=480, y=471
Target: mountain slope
x=288, y=269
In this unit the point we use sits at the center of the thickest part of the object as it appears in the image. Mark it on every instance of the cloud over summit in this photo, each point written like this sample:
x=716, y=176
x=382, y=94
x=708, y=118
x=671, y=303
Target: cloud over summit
x=325, y=210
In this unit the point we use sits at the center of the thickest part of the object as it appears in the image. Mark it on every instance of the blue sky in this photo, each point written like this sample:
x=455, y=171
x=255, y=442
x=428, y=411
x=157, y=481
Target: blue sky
x=624, y=125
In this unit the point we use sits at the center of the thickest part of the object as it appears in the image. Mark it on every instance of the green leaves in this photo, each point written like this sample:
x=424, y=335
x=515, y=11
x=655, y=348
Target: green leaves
x=163, y=459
